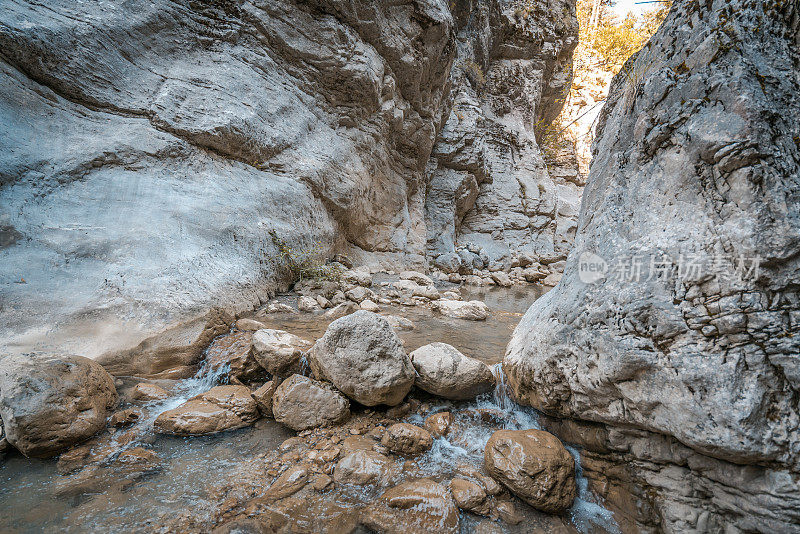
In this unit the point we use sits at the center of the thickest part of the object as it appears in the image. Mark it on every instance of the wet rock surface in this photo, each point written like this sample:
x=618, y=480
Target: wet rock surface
x=443, y=371
x=363, y=357
x=404, y=438
x=51, y=402
x=301, y=402
x=219, y=409
x=363, y=467
x=419, y=506
x=535, y=466
x=148, y=392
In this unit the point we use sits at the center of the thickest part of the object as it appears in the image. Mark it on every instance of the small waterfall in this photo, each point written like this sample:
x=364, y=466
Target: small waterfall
x=501, y=397
x=586, y=514
x=206, y=378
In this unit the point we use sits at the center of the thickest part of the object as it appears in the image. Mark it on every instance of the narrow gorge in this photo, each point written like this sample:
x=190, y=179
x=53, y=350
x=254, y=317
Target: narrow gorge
x=344, y=266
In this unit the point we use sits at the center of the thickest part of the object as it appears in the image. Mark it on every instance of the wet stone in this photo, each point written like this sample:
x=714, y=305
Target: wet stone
x=405, y=438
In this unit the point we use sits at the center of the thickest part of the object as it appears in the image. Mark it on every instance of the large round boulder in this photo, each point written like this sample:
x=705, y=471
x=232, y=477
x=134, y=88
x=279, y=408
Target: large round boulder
x=364, y=467
x=50, y=402
x=535, y=466
x=363, y=357
x=443, y=371
x=301, y=403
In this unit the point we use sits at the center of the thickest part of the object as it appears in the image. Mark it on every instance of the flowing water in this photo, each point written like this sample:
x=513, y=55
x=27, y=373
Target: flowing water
x=34, y=497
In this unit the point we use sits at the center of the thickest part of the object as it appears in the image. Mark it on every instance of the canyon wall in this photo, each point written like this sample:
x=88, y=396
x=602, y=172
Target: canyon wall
x=673, y=335
x=149, y=149
x=491, y=195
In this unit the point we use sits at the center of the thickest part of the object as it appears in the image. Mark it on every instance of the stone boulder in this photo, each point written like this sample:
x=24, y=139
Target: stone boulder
x=413, y=289
x=308, y=304
x=363, y=357
x=362, y=467
x=50, y=402
x=535, y=466
x=359, y=277
x=370, y=305
x=126, y=417
x=279, y=352
x=443, y=371
x=408, y=439
x=301, y=403
x=417, y=277
x=400, y=323
x=220, y=408
x=340, y=310
x=246, y=324
x=263, y=397
x=234, y=350
x=421, y=506
x=439, y=424
x=148, y=392
x=359, y=294
x=473, y=310
x=469, y=496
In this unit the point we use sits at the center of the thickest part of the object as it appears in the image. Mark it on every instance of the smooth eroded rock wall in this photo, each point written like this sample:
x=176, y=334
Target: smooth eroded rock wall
x=147, y=149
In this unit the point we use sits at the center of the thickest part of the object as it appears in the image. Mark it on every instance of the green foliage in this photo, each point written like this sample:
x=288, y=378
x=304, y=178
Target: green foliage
x=615, y=43
x=612, y=40
x=305, y=263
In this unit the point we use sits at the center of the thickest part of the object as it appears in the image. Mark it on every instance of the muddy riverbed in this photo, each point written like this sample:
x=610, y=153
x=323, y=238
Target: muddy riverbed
x=133, y=480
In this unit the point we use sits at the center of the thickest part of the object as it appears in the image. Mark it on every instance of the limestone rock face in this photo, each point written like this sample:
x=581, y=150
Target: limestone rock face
x=535, y=466
x=279, y=352
x=220, y=408
x=363, y=357
x=692, y=205
x=301, y=403
x=443, y=371
x=490, y=191
x=313, y=119
x=51, y=402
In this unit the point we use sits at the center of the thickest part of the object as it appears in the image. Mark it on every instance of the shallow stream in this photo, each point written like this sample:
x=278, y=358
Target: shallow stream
x=34, y=497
